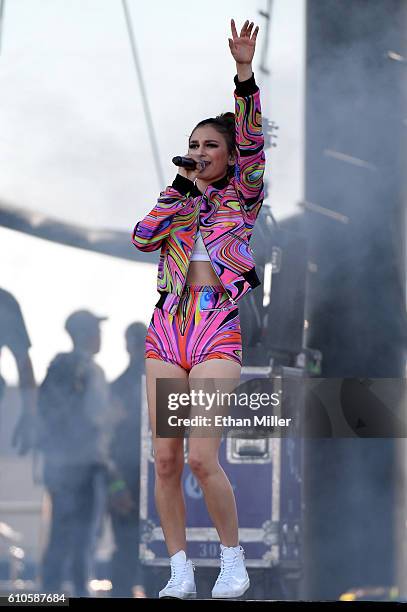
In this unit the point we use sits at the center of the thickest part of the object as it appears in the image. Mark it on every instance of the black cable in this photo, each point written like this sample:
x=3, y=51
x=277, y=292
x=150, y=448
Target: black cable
x=144, y=97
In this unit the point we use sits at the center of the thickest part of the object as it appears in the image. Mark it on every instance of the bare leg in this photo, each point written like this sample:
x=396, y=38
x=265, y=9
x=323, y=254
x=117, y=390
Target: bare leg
x=203, y=455
x=168, y=460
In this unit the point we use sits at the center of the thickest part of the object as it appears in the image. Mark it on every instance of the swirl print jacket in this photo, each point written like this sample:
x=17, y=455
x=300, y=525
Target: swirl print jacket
x=225, y=214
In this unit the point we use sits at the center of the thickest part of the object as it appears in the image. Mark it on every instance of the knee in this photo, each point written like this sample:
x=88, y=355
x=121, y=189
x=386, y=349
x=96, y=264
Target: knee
x=199, y=466
x=168, y=464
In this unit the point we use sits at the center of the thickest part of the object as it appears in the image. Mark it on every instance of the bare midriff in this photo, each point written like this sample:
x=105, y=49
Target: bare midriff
x=201, y=273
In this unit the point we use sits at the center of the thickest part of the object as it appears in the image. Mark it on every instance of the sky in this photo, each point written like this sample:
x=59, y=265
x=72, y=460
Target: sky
x=74, y=142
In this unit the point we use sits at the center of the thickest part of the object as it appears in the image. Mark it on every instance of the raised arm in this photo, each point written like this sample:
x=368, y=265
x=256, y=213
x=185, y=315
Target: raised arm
x=249, y=135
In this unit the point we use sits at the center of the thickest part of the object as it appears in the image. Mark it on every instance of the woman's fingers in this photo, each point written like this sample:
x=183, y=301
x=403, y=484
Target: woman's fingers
x=246, y=31
x=244, y=28
x=234, y=31
x=255, y=33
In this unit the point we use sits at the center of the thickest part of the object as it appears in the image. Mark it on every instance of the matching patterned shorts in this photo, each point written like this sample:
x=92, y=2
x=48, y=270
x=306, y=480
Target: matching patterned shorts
x=205, y=326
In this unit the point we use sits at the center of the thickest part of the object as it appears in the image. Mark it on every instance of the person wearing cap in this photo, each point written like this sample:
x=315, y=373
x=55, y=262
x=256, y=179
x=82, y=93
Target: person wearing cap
x=73, y=405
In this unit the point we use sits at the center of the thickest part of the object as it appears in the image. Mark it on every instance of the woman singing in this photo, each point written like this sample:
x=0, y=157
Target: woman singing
x=203, y=223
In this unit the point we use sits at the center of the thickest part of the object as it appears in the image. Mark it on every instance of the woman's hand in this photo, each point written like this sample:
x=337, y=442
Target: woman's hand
x=191, y=174
x=242, y=47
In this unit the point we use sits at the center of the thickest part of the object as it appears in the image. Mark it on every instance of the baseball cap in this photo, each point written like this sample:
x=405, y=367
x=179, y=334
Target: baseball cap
x=82, y=320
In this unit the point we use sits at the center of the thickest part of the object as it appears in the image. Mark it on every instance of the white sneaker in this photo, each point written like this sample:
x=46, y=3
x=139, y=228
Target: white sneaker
x=233, y=579
x=182, y=582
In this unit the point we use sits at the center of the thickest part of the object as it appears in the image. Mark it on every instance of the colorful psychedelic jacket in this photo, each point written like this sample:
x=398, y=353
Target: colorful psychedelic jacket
x=225, y=214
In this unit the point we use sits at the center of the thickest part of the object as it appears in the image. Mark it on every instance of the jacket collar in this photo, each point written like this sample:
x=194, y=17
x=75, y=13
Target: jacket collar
x=219, y=184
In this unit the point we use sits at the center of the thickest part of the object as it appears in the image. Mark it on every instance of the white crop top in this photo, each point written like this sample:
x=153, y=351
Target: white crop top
x=199, y=252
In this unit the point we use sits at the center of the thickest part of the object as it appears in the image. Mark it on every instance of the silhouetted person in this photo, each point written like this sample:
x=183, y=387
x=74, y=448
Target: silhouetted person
x=73, y=410
x=126, y=569
x=13, y=335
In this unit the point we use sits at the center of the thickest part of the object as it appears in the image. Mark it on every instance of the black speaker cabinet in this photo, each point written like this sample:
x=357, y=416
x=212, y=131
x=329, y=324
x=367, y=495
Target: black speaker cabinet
x=272, y=315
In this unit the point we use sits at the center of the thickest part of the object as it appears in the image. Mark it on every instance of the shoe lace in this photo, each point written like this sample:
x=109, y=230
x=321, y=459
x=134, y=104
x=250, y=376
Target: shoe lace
x=226, y=567
x=177, y=573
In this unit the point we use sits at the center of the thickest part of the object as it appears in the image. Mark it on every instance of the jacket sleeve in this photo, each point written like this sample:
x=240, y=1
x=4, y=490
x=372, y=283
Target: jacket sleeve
x=250, y=156
x=150, y=232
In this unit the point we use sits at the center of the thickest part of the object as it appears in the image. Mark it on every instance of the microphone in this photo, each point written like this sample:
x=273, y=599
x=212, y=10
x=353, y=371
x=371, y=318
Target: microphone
x=189, y=164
